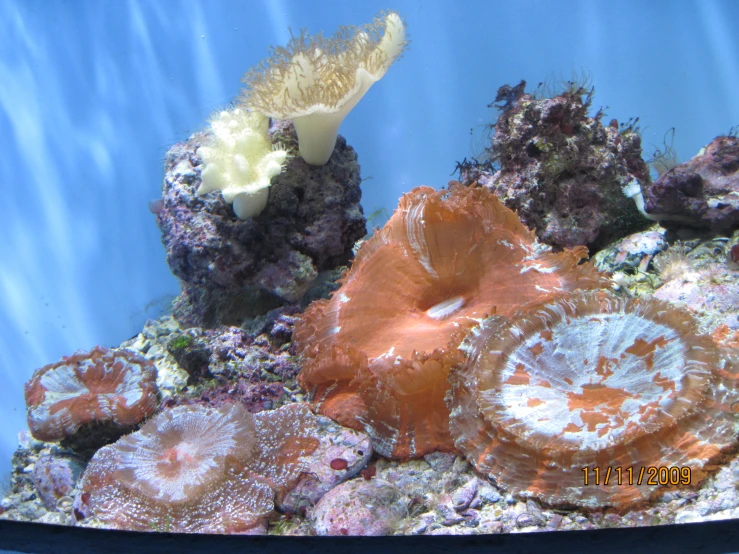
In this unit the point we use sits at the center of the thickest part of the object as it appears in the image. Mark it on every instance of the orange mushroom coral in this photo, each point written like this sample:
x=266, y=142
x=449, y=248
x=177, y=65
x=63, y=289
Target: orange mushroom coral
x=593, y=400
x=378, y=353
x=116, y=387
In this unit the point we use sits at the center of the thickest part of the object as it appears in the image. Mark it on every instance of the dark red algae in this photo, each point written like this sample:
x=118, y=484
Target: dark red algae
x=734, y=253
x=339, y=464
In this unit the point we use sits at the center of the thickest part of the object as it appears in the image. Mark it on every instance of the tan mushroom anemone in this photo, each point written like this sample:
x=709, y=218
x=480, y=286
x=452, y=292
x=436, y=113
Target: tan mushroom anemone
x=378, y=353
x=593, y=400
x=196, y=469
x=316, y=81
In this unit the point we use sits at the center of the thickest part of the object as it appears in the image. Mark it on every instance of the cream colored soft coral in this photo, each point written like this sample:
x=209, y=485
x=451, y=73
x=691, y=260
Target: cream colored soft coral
x=240, y=161
x=315, y=81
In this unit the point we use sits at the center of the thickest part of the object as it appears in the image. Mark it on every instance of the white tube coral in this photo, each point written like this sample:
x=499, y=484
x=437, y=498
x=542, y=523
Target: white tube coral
x=239, y=160
x=316, y=82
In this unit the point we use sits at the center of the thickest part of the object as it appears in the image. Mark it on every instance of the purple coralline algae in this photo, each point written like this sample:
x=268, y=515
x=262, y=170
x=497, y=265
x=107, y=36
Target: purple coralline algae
x=360, y=507
x=702, y=192
x=229, y=365
x=233, y=269
x=702, y=280
x=55, y=477
x=562, y=170
x=341, y=454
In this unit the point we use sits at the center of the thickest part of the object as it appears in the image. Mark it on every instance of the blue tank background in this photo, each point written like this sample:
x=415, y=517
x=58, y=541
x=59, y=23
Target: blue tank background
x=92, y=95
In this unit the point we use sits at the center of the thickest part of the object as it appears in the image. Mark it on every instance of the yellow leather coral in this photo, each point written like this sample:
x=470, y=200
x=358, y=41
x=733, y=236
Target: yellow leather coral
x=316, y=81
x=240, y=161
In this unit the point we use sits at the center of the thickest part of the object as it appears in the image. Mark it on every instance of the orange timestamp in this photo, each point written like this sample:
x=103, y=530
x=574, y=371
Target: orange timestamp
x=650, y=475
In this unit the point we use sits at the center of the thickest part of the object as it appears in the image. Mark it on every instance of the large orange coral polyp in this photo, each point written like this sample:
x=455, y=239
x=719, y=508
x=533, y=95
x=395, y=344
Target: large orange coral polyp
x=592, y=381
x=385, y=341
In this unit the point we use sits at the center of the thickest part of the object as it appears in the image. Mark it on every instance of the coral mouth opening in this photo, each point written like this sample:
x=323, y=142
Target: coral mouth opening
x=446, y=308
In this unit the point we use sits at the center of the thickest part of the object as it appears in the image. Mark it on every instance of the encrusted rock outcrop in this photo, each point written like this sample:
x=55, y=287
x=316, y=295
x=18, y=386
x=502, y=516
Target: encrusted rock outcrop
x=232, y=269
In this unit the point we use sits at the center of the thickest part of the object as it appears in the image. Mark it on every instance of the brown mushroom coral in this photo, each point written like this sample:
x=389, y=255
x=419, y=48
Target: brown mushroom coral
x=116, y=387
x=592, y=400
x=199, y=469
x=377, y=354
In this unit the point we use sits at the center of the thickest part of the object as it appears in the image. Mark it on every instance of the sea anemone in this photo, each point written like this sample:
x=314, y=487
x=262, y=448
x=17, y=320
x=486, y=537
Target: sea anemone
x=674, y=263
x=115, y=387
x=199, y=469
x=315, y=81
x=592, y=400
x=377, y=354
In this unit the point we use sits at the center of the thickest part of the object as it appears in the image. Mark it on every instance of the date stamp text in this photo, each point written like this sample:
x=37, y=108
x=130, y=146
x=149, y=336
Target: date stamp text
x=652, y=475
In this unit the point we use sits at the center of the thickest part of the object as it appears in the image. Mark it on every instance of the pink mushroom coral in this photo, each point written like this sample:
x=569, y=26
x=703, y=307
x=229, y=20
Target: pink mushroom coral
x=377, y=354
x=115, y=386
x=199, y=469
x=593, y=400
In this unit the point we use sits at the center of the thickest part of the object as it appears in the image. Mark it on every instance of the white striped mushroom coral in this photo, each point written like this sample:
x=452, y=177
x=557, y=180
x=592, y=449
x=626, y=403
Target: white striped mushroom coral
x=593, y=382
x=377, y=354
x=317, y=81
x=115, y=387
x=197, y=469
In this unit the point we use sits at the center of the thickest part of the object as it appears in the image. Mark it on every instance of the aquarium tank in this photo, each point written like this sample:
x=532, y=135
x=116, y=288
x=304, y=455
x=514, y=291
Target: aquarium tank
x=333, y=268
